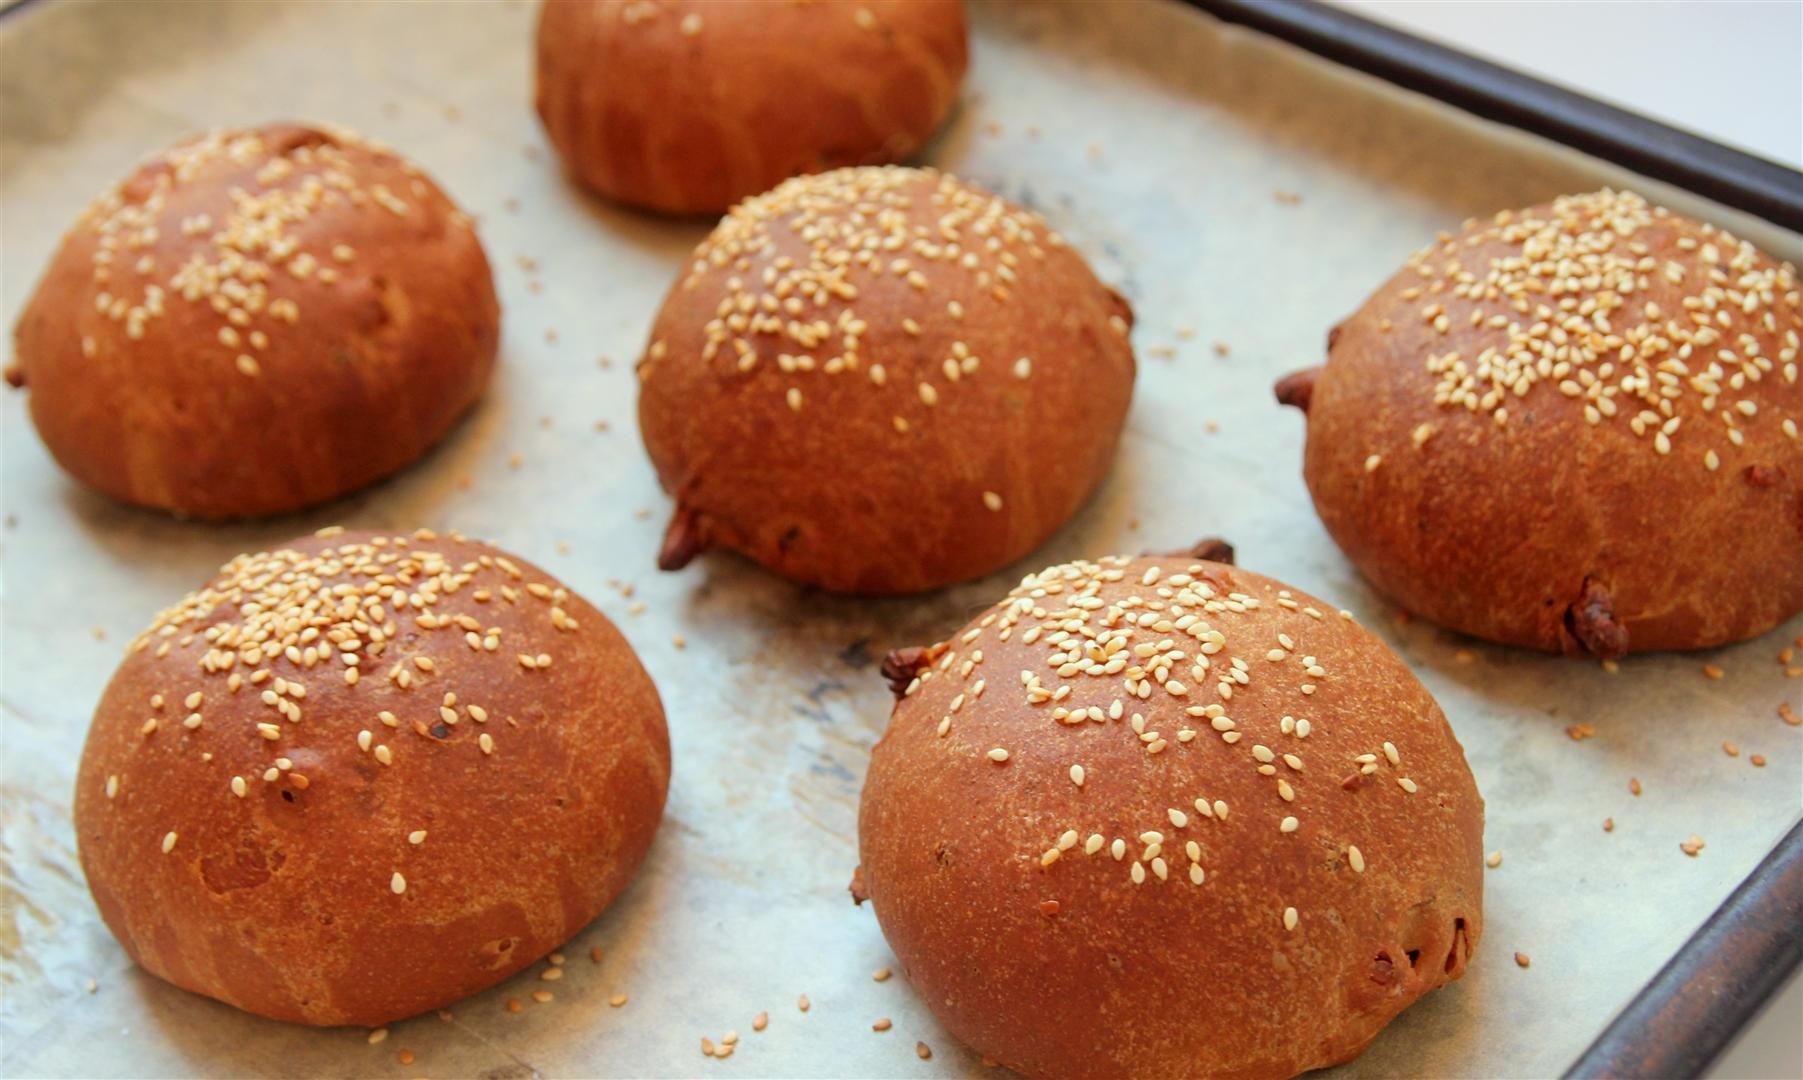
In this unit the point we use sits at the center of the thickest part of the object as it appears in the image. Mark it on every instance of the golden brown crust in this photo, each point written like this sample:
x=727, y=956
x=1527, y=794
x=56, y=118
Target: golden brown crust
x=234, y=355
x=538, y=789
x=996, y=883
x=1668, y=516
x=882, y=380
x=688, y=106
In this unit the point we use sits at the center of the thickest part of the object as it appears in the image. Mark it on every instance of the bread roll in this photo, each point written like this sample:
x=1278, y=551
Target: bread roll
x=257, y=321
x=1161, y=817
x=688, y=106
x=362, y=776
x=882, y=380
x=1571, y=428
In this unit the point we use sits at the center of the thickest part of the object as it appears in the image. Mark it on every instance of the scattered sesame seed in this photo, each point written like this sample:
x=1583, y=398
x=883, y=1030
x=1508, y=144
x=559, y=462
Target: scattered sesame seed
x=1493, y=860
x=397, y=884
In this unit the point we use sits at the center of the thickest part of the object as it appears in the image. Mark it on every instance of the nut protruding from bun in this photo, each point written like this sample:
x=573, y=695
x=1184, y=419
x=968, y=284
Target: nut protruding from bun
x=688, y=106
x=258, y=321
x=1208, y=549
x=1137, y=780
x=1297, y=388
x=1575, y=428
x=1594, y=628
x=361, y=776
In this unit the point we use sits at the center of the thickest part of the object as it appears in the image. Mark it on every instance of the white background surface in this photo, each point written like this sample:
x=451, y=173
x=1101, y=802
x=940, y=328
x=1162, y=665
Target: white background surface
x=1727, y=69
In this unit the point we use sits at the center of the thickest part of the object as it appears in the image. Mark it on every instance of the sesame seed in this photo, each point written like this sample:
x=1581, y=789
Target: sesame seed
x=168, y=842
x=992, y=500
x=1493, y=860
x=1288, y=825
x=998, y=755
x=417, y=836
x=1356, y=859
x=1290, y=918
x=397, y=884
x=1077, y=775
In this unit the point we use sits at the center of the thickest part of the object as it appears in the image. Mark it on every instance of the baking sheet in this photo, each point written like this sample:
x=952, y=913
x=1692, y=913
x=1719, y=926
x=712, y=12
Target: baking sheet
x=1230, y=186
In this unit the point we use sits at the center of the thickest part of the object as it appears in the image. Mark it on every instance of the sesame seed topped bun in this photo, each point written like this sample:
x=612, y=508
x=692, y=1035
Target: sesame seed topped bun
x=257, y=321
x=1162, y=817
x=361, y=776
x=882, y=380
x=688, y=106
x=1571, y=428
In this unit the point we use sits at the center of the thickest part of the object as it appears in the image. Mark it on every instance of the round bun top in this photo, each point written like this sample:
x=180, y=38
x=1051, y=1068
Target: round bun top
x=1574, y=426
x=687, y=106
x=363, y=775
x=875, y=351
x=1142, y=814
x=1639, y=317
x=255, y=321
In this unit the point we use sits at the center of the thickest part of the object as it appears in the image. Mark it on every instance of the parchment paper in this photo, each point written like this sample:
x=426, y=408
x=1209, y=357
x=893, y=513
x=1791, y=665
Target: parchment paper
x=1158, y=142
